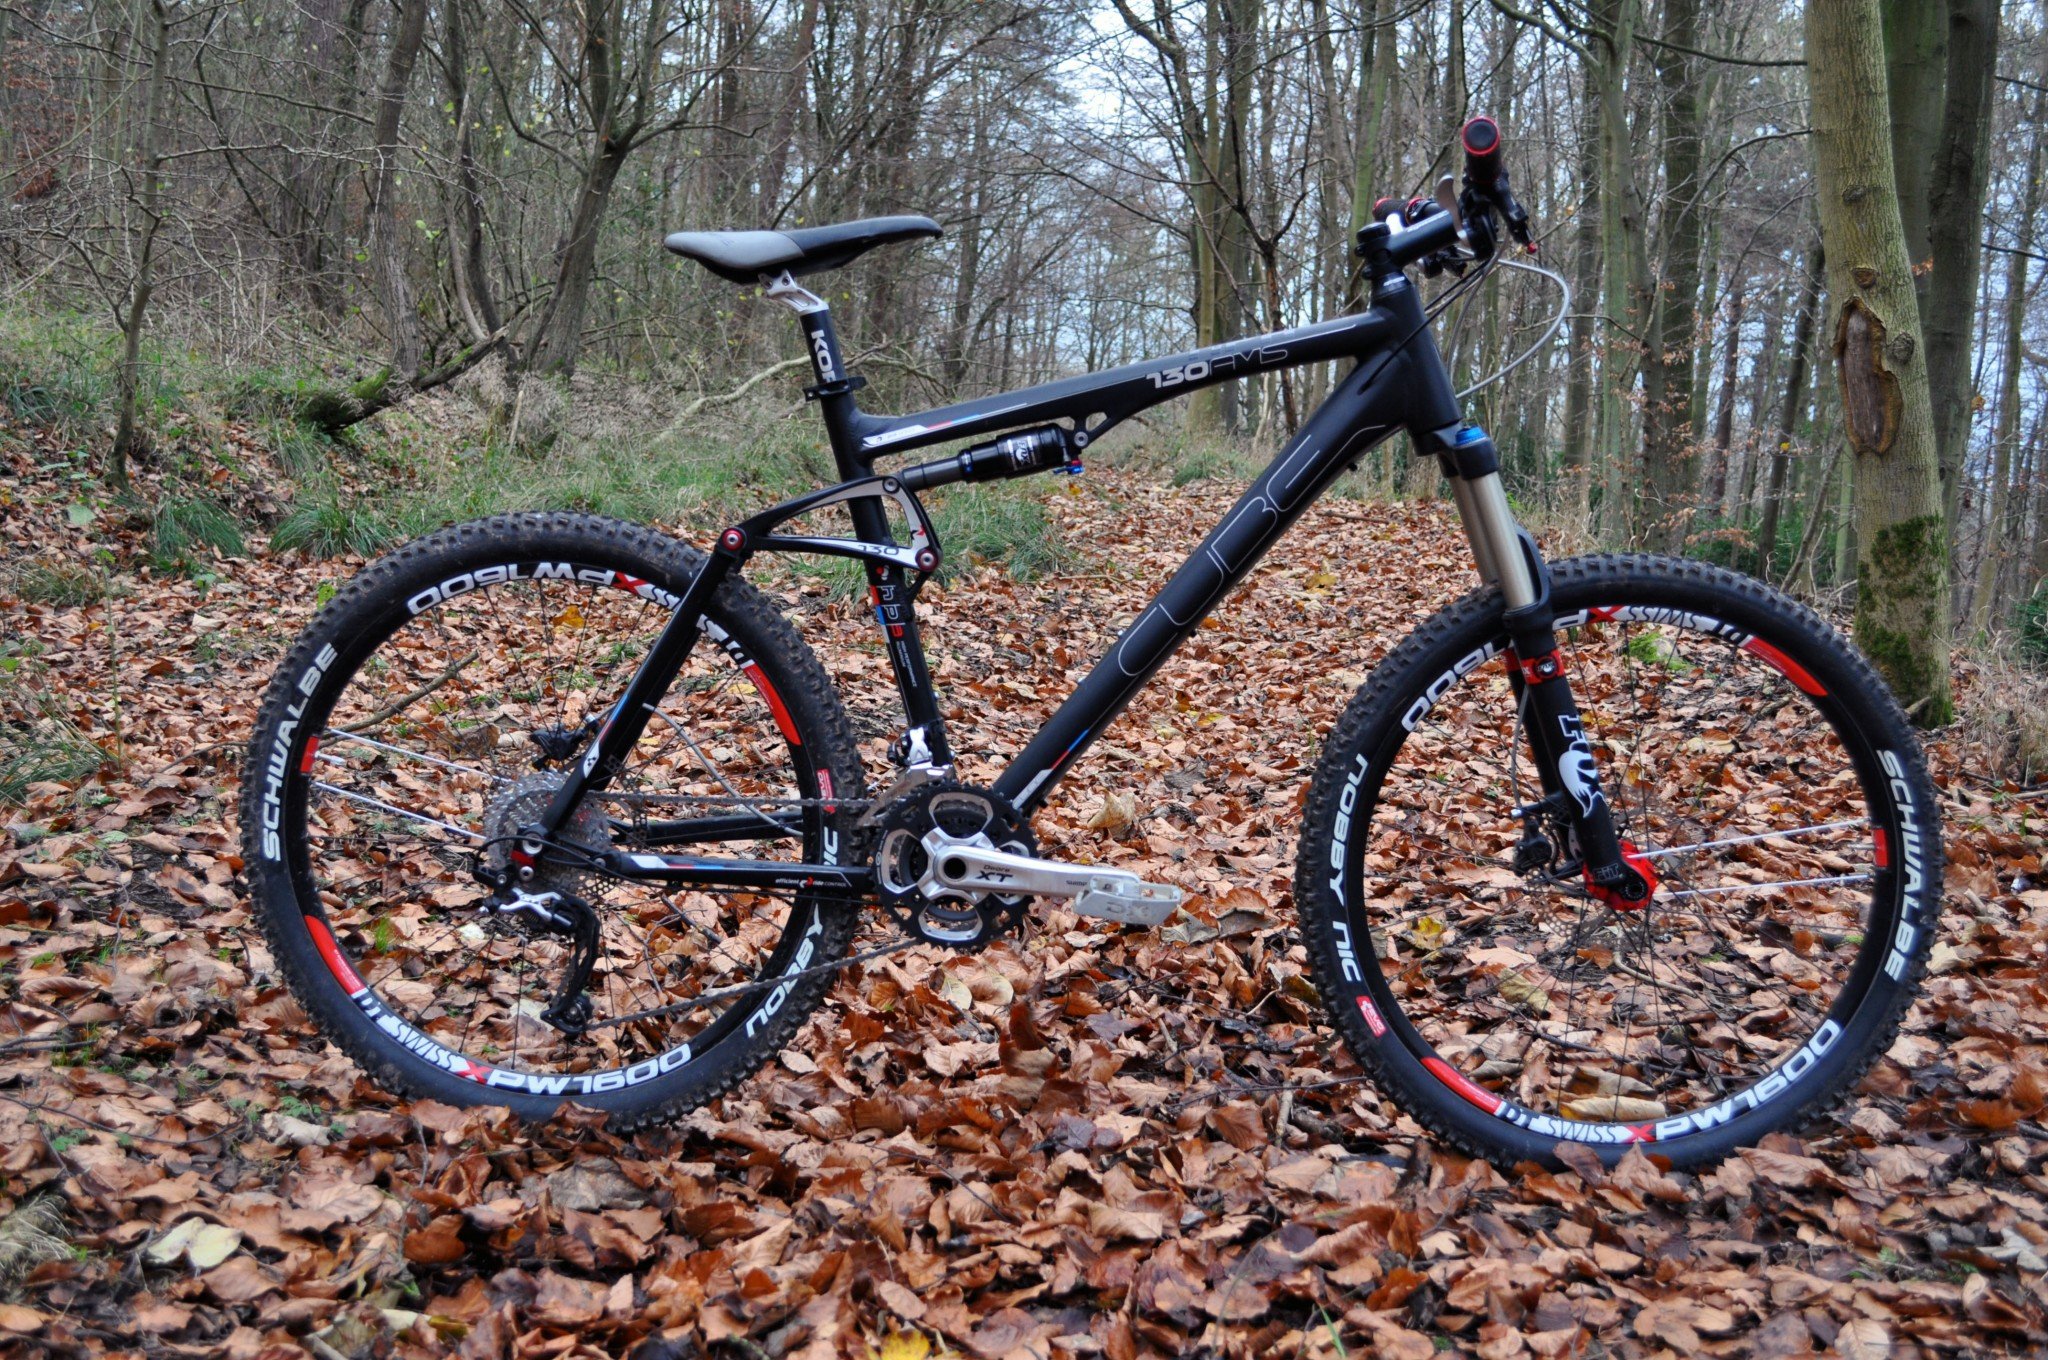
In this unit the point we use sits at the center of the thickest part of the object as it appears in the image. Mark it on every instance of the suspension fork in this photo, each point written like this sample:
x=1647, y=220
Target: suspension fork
x=1506, y=555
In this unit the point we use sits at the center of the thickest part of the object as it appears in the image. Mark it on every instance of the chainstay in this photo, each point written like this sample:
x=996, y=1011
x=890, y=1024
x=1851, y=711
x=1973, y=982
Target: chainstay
x=716, y=995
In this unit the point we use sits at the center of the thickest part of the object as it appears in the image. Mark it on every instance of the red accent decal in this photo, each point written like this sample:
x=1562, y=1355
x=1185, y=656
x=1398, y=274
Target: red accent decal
x=782, y=719
x=1786, y=666
x=1604, y=613
x=1882, y=847
x=1373, y=1020
x=1547, y=667
x=475, y=1071
x=520, y=858
x=624, y=582
x=1484, y=1099
x=306, y=760
x=1642, y=1133
x=323, y=940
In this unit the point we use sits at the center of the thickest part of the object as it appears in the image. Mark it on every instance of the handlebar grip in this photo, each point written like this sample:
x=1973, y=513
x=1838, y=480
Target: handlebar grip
x=1482, y=142
x=1384, y=207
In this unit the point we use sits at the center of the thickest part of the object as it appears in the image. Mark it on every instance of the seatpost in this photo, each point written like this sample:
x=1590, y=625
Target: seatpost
x=835, y=386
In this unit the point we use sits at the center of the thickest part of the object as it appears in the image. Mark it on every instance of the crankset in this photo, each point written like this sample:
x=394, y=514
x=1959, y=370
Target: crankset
x=956, y=868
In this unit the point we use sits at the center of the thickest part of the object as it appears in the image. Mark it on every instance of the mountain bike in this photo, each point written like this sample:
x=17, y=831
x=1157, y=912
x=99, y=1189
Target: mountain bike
x=1616, y=850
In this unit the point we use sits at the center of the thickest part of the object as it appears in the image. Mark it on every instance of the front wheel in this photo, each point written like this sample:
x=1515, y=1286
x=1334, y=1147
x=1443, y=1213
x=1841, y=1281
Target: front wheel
x=1755, y=761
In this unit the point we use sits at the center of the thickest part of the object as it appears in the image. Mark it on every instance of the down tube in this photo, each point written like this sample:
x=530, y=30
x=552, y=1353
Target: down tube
x=1362, y=411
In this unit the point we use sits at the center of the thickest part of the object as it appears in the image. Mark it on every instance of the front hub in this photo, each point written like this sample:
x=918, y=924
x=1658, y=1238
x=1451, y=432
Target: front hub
x=1637, y=886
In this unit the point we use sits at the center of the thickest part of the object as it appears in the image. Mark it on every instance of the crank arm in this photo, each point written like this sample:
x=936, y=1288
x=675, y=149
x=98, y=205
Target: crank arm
x=1111, y=894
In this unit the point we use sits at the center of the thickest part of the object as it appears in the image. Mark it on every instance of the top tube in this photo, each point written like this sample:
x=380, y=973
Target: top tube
x=1097, y=401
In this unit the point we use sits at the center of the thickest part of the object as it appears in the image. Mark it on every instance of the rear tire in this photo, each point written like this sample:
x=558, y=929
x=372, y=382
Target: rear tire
x=425, y=678
x=1788, y=808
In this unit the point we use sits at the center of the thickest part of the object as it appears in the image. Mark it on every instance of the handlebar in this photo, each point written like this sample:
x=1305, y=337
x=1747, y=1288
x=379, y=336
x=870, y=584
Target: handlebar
x=1482, y=143
x=1422, y=231
x=1486, y=174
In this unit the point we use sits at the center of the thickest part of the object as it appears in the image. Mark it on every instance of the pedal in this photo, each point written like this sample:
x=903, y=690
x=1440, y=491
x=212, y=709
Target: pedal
x=1128, y=900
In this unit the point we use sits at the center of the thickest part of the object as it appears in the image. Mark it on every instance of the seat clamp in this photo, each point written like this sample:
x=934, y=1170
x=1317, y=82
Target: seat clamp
x=837, y=388
x=786, y=290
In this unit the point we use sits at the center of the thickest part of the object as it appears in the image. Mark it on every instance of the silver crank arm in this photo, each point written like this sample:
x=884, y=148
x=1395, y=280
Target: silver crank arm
x=1107, y=894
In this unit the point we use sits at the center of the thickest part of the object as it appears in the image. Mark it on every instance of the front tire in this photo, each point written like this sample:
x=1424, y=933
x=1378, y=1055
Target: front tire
x=1771, y=778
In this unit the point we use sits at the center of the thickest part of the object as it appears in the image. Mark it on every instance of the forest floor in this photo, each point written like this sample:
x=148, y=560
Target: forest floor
x=977, y=1155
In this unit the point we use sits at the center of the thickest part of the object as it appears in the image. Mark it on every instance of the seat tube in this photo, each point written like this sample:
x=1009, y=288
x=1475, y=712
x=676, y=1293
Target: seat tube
x=924, y=737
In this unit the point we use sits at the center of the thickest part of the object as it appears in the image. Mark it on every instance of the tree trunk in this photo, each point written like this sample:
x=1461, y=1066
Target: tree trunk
x=1984, y=605
x=1962, y=169
x=782, y=140
x=1716, y=490
x=1902, y=601
x=1788, y=414
x=561, y=336
x=133, y=312
x=384, y=233
x=1623, y=286
x=1378, y=64
x=1585, y=325
x=1670, y=450
x=470, y=276
x=1916, y=63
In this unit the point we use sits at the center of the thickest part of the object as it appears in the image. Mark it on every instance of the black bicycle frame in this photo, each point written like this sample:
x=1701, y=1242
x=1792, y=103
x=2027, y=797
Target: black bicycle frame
x=1398, y=382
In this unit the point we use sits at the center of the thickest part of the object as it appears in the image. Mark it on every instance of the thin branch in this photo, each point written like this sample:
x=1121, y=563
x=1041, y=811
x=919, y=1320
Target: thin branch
x=1721, y=57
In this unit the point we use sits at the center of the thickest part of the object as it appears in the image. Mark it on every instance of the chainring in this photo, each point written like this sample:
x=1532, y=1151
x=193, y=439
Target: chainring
x=902, y=867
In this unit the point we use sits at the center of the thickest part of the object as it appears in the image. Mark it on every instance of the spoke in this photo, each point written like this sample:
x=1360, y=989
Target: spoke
x=387, y=807
x=713, y=770
x=333, y=735
x=1761, y=887
x=1746, y=840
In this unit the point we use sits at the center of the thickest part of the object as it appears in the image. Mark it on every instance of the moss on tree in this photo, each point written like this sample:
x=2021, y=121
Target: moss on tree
x=1904, y=563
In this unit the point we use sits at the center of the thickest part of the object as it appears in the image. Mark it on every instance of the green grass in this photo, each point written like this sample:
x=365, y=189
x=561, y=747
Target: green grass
x=57, y=370
x=431, y=466
x=1212, y=462
x=1003, y=526
x=1655, y=649
x=61, y=584
x=301, y=451
x=330, y=524
x=186, y=526
x=44, y=745
x=693, y=479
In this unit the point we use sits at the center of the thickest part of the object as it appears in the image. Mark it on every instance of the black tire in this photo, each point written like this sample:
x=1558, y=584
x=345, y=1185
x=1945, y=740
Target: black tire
x=369, y=906
x=1801, y=859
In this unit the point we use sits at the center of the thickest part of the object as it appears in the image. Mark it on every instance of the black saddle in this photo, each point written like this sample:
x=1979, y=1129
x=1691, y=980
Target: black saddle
x=744, y=256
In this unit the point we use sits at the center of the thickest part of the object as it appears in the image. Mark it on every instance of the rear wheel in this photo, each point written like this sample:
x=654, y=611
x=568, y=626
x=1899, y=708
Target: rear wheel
x=1751, y=757
x=432, y=708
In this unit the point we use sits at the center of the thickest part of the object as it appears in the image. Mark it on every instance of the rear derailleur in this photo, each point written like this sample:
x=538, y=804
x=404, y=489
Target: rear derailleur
x=553, y=913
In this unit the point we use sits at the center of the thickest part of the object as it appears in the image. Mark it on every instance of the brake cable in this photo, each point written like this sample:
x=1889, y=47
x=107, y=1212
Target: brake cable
x=1563, y=310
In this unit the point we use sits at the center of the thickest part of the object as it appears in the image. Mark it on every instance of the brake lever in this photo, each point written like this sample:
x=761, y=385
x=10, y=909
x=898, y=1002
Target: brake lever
x=1513, y=213
x=1447, y=199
